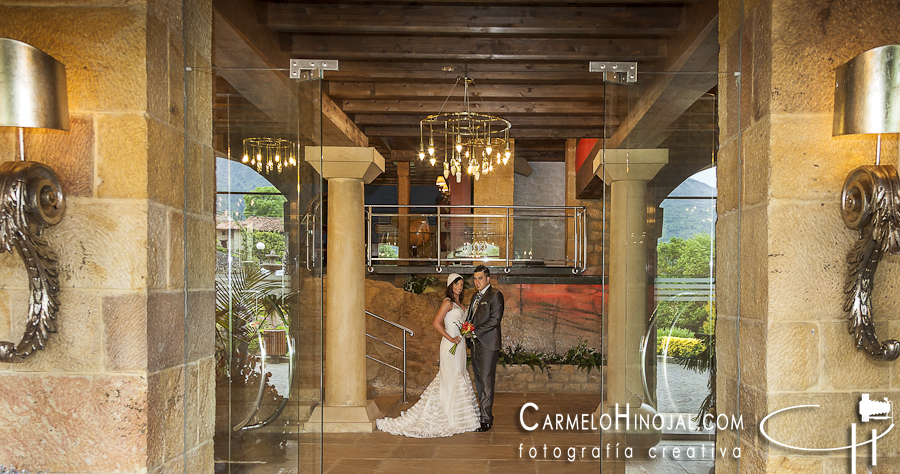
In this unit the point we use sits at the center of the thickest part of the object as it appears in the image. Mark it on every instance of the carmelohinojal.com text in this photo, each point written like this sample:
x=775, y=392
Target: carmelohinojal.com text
x=623, y=420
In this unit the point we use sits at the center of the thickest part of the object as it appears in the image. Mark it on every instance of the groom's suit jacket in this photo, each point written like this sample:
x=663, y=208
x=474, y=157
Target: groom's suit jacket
x=486, y=318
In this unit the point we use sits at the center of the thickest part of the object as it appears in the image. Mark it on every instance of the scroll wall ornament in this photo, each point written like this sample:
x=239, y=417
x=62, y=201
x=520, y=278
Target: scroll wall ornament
x=31, y=200
x=32, y=94
x=867, y=100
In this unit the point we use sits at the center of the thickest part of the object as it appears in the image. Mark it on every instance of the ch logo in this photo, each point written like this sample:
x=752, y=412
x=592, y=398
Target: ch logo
x=868, y=410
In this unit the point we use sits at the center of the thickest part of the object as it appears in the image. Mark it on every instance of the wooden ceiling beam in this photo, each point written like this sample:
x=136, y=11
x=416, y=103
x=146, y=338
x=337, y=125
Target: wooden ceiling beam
x=242, y=44
x=537, y=132
x=375, y=90
x=556, y=121
x=343, y=47
x=693, y=73
x=501, y=108
x=585, y=20
x=445, y=71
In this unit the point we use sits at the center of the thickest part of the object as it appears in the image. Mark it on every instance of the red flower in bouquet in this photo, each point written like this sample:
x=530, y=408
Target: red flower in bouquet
x=467, y=330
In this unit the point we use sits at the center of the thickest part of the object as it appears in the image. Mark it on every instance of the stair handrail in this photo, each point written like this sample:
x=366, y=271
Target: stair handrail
x=404, y=330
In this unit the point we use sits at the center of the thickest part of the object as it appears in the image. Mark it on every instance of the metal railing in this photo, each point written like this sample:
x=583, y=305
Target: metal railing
x=404, y=330
x=496, y=218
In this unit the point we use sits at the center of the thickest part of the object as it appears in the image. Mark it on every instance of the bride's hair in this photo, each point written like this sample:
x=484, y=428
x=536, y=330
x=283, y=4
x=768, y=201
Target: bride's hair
x=449, y=292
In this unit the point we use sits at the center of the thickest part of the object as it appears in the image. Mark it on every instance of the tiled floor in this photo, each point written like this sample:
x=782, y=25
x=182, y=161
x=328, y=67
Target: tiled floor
x=497, y=451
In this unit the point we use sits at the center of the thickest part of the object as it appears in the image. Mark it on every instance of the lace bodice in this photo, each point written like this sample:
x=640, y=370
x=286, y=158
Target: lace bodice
x=454, y=319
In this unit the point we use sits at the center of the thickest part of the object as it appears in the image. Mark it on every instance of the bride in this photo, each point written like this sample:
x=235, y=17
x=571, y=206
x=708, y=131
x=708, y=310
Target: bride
x=448, y=406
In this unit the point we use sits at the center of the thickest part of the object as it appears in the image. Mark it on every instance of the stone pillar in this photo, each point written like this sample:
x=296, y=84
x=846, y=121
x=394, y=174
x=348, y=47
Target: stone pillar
x=347, y=169
x=781, y=245
x=627, y=172
x=403, y=200
x=127, y=382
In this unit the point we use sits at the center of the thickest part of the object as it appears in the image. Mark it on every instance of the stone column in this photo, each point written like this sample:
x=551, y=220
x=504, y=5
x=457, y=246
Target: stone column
x=347, y=169
x=781, y=245
x=627, y=172
x=403, y=200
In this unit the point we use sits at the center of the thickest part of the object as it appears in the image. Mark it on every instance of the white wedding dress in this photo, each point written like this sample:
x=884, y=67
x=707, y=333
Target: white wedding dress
x=448, y=406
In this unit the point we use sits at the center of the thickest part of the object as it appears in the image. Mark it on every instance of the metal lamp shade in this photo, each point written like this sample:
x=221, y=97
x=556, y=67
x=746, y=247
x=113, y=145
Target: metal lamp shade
x=32, y=88
x=867, y=93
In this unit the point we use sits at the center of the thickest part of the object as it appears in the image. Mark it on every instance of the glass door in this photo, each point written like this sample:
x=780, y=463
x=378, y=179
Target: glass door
x=658, y=162
x=268, y=271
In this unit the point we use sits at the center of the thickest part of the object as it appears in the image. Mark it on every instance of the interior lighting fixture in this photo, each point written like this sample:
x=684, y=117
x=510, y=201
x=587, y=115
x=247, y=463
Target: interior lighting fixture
x=32, y=95
x=867, y=101
x=269, y=154
x=468, y=137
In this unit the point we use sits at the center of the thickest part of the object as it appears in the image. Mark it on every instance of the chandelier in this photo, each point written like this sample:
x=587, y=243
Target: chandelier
x=470, y=139
x=269, y=154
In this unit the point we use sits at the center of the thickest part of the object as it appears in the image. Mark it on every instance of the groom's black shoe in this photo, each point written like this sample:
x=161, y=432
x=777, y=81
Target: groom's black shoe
x=484, y=427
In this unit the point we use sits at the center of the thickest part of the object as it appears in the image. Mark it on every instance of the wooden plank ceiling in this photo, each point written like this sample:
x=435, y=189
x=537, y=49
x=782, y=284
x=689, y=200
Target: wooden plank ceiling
x=528, y=60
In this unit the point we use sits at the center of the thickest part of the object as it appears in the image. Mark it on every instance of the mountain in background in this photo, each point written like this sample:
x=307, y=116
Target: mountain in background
x=242, y=179
x=685, y=217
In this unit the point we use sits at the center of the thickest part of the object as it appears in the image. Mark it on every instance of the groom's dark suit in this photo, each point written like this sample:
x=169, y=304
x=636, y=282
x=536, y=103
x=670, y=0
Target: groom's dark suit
x=486, y=317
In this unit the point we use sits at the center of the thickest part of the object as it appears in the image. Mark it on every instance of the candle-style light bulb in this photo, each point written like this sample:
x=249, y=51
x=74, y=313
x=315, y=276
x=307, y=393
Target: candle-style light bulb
x=431, y=147
x=421, y=151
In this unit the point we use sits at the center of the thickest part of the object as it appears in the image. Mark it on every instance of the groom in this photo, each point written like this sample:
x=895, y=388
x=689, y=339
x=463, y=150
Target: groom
x=485, y=312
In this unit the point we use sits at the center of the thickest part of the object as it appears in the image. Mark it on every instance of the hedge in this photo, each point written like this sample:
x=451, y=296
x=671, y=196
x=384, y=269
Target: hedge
x=679, y=346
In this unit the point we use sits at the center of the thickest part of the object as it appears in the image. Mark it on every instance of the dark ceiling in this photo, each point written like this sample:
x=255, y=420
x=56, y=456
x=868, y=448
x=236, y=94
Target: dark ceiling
x=398, y=61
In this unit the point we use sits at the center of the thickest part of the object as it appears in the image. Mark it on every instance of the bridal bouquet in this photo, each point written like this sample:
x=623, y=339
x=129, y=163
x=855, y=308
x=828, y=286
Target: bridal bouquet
x=467, y=330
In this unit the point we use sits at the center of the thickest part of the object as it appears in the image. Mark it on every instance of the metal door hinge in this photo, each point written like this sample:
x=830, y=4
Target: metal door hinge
x=311, y=68
x=621, y=72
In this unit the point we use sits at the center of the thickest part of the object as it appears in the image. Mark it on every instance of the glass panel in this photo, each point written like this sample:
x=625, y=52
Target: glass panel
x=268, y=268
x=659, y=155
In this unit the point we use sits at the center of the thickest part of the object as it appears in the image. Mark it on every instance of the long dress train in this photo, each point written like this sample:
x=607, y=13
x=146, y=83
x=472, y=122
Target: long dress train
x=448, y=405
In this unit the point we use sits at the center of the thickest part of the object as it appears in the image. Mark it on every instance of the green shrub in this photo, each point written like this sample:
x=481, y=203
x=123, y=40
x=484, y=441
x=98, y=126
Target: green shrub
x=679, y=346
x=674, y=332
x=581, y=356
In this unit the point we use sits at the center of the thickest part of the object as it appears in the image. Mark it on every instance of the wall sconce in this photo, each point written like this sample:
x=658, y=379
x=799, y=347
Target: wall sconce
x=32, y=94
x=867, y=100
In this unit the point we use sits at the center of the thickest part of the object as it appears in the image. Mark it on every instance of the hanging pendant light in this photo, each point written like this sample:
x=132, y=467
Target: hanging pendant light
x=472, y=134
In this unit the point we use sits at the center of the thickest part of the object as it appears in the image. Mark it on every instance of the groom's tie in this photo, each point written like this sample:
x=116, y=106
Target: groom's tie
x=474, y=307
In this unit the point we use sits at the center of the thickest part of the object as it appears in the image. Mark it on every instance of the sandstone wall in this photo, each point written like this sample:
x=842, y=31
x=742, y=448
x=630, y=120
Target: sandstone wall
x=119, y=388
x=781, y=244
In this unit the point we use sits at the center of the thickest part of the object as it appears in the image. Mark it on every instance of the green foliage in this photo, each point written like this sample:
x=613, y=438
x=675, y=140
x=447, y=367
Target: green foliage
x=274, y=243
x=581, y=356
x=685, y=258
x=679, y=346
x=244, y=305
x=416, y=284
x=519, y=356
x=689, y=315
x=662, y=332
x=265, y=205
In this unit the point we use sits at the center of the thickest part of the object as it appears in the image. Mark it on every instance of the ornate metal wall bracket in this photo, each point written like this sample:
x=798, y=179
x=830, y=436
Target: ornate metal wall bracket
x=31, y=200
x=871, y=205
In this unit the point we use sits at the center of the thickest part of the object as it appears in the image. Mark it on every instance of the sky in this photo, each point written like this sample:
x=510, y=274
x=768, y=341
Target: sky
x=707, y=177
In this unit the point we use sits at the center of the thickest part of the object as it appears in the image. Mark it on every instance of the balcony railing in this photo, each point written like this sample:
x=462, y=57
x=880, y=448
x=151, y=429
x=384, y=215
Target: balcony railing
x=446, y=236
